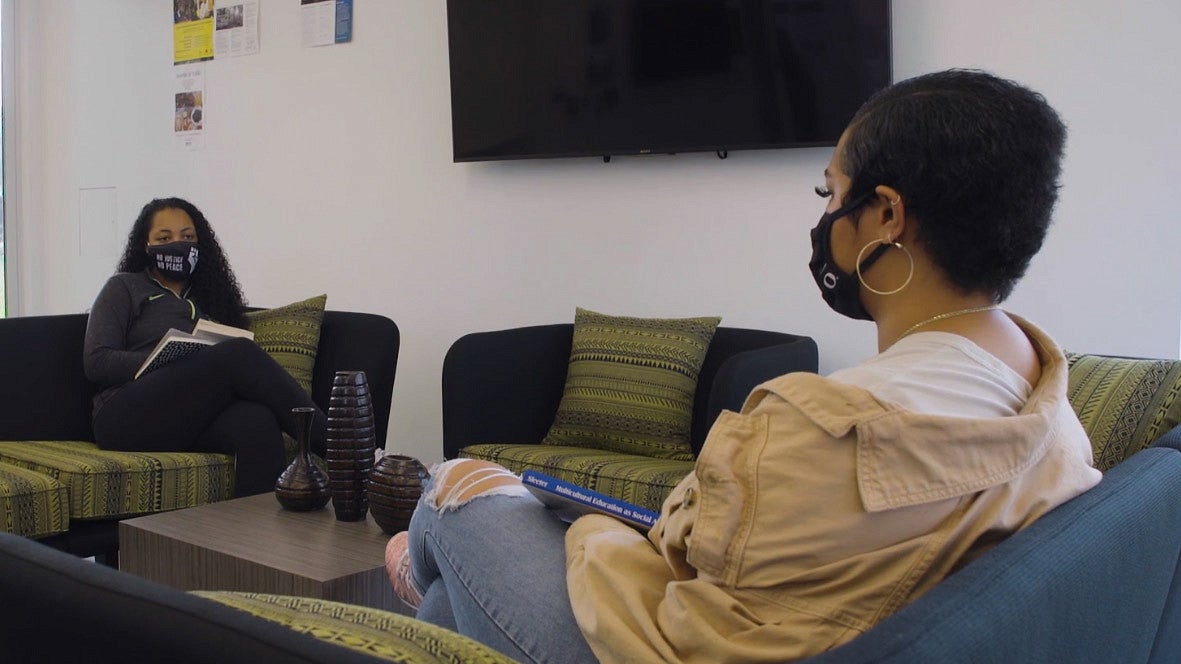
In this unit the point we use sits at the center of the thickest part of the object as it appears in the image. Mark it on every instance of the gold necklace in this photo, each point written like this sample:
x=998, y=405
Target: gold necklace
x=950, y=314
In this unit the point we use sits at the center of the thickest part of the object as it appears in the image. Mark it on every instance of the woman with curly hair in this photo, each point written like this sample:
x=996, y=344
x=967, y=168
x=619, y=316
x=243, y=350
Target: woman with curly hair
x=230, y=398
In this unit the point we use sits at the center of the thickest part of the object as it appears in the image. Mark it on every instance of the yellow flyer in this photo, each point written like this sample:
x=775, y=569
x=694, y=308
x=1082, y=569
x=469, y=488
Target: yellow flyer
x=192, y=31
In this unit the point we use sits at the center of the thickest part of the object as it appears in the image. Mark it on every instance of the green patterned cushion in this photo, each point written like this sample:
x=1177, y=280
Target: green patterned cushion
x=31, y=504
x=291, y=335
x=630, y=384
x=376, y=633
x=1124, y=404
x=640, y=480
x=102, y=484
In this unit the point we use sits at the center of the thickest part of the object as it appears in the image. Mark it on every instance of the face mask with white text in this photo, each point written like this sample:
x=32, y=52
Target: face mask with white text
x=174, y=260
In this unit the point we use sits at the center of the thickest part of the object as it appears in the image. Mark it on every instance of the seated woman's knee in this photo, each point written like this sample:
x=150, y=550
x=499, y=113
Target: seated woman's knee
x=226, y=351
x=237, y=352
x=459, y=480
x=236, y=346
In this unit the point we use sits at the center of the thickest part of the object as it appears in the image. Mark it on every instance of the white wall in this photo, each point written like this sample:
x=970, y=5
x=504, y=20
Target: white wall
x=328, y=170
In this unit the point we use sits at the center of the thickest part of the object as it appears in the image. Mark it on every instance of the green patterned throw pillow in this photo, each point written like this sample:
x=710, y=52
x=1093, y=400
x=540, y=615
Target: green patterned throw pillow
x=630, y=384
x=291, y=335
x=1124, y=404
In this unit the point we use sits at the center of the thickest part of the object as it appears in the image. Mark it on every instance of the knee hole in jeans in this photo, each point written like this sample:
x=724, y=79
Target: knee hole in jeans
x=458, y=481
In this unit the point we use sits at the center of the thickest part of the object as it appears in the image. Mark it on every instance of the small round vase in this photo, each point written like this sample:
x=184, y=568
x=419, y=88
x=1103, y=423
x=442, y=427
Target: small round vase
x=303, y=487
x=393, y=487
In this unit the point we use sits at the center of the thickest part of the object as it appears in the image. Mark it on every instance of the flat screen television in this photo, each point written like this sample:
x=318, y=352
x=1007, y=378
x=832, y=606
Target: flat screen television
x=568, y=78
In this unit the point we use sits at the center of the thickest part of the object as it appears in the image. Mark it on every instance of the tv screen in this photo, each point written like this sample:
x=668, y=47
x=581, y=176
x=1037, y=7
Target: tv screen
x=565, y=78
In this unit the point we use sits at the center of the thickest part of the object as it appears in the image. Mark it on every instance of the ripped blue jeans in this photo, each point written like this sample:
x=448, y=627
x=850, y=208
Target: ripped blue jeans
x=493, y=566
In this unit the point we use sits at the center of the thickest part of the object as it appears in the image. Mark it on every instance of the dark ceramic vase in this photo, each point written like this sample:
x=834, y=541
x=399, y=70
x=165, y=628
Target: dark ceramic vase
x=303, y=487
x=351, y=441
x=394, y=486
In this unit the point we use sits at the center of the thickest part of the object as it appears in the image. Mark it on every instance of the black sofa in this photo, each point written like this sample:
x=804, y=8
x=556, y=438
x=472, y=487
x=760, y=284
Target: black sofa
x=45, y=396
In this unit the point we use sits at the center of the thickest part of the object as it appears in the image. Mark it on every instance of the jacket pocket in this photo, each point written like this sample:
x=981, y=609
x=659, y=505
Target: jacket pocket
x=727, y=474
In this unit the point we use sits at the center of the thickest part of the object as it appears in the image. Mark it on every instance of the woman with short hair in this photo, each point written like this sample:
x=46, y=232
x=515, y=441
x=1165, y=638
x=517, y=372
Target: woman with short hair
x=827, y=504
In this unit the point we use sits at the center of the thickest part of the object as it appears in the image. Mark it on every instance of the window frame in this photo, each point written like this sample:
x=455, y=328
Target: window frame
x=10, y=117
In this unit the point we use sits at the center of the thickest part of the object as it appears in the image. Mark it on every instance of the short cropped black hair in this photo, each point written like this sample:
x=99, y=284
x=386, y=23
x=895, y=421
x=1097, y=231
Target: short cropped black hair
x=977, y=160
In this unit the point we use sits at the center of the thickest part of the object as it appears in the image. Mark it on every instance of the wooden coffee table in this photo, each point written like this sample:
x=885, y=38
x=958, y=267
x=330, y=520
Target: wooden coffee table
x=254, y=545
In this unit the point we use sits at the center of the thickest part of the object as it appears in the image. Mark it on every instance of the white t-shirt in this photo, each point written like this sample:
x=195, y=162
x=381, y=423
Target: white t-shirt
x=939, y=373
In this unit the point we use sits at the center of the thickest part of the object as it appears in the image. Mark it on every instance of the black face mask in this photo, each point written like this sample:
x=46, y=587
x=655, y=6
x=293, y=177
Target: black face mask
x=840, y=290
x=175, y=260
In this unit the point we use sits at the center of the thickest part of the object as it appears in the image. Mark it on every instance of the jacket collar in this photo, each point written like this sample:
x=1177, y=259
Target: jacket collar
x=184, y=296
x=906, y=458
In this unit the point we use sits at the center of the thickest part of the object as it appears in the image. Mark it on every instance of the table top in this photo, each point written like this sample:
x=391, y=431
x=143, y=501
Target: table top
x=312, y=544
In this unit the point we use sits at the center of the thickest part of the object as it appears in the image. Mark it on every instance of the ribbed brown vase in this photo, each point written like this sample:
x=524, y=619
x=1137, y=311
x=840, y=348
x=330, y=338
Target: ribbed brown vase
x=303, y=487
x=352, y=439
x=394, y=486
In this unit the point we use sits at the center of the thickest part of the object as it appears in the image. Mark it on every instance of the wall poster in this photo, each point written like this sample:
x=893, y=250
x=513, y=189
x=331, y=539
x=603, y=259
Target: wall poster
x=326, y=21
x=235, y=30
x=188, y=115
x=192, y=31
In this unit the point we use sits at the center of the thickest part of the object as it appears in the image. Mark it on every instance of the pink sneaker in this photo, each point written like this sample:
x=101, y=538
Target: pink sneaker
x=397, y=566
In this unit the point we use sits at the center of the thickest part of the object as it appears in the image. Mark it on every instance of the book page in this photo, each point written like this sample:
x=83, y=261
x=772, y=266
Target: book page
x=216, y=331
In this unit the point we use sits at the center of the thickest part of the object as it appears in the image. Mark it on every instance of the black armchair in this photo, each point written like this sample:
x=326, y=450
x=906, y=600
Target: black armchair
x=505, y=386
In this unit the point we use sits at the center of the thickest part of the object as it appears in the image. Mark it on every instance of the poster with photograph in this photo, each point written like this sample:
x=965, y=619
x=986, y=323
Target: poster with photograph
x=235, y=28
x=192, y=31
x=188, y=115
x=326, y=21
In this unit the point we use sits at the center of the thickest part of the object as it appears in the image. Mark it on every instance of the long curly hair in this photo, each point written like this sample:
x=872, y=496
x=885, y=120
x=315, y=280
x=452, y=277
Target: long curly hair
x=213, y=285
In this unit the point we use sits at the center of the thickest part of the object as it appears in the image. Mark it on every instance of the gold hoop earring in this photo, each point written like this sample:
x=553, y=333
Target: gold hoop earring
x=895, y=244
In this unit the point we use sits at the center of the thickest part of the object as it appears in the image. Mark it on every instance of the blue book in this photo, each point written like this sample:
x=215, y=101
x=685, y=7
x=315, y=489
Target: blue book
x=570, y=501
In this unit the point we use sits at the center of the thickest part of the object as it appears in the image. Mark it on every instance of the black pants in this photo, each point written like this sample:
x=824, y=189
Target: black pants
x=231, y=398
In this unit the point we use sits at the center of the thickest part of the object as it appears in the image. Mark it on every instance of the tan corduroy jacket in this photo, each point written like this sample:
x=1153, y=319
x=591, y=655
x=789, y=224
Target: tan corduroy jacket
x=814, y=514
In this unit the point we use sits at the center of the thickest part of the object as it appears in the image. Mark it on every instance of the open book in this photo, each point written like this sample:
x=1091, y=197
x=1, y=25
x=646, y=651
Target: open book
x=176, y=344
x=570, y=501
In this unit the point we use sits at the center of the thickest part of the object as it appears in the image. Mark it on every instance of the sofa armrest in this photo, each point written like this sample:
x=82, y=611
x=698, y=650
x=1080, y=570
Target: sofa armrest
x=353, y=341
x=58, y=608
x=503, y=386
x=1168, y=635
x=44, y=394
x=1171, y=438
x=743, y=372
x=1092, y=581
